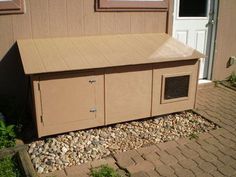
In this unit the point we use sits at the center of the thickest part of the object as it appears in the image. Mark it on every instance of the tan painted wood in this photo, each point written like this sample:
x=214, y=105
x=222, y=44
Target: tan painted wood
x=36, y=96
x=107, y=23
x=75, y=13
x=67, y=50
x=67, y=101
x=6, y=35
x=22, y=24
x=155, y=22
x=39, y=15
x=91, y=19
x=49, y=55
x=90, y=52
x=161, y=106
x=28, y=52
x=102, y=51
x=57, y=18
x=128, y=93
x=170, y=17
x=122, y=22
x=225, y=40
x=137, y=22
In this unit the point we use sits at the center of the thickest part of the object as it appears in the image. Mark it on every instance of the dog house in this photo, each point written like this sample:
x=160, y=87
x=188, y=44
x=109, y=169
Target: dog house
x=85, y=82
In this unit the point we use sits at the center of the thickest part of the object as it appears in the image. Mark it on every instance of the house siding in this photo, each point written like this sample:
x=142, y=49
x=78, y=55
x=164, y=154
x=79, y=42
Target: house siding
x=225, y=40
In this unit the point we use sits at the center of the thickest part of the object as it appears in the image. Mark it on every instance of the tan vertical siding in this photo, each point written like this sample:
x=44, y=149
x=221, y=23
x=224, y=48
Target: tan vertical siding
x=53, y=18
x=225, y=40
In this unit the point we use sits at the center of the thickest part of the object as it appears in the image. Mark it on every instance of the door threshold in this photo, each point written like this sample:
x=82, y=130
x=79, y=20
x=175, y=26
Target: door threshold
x=204, y=81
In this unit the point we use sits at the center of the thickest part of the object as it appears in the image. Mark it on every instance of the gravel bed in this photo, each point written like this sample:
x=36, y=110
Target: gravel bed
x=79, y=147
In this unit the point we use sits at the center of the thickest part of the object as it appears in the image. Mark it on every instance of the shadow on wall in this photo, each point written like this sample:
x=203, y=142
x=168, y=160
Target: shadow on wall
x=13, y=82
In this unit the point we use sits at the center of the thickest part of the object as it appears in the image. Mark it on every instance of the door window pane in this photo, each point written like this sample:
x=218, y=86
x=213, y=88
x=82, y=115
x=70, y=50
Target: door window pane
x=193, y=8
x=176, y=87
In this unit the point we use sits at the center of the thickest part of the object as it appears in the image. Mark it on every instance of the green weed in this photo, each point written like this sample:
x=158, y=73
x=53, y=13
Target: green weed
x=9, y=167
x=7, y=135
x=193, y=136
x=104, y=171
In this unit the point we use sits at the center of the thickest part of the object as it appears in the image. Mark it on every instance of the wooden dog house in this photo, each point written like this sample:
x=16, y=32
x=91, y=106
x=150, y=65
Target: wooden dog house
x=93, y=81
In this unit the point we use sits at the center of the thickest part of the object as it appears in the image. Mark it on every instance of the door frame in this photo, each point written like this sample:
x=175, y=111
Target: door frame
x=211, y=41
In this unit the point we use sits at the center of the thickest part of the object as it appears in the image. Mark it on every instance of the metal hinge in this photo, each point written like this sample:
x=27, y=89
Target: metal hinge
x=38, y=86
x=41, y=119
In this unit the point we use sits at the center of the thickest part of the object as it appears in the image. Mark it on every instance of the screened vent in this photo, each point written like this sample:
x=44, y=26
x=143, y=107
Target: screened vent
x=176, y=87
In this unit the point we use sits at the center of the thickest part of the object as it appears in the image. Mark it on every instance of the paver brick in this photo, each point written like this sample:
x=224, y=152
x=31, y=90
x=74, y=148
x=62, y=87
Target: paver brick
x=60, y=173
x=227, y=170
x=194, y=146
x=168, y=159
x=148, y=150
x=230, y=152
x=196, y=171
x=170, y=144
x=140, y=174
x=215, y=142
x=206, y=175
x=208, y=157
x=152, y=173
x=184, y=173
x=152, y=157
x=207, y=167
x=217, y=174
x=183, y=141
x=164, y=170
x=188, y=153
x=78, y=170
x=204, y=136
x=188, y=163
x=142, y=166
x=107, y=161
x=176, y=153
x=217, y=163
x=226, y=159
x=209, y=148
x=226, y=142
x=124, y=160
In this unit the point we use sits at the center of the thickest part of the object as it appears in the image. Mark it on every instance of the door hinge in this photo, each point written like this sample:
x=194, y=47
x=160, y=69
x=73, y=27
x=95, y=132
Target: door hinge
x=38, y=86
x=41, y=119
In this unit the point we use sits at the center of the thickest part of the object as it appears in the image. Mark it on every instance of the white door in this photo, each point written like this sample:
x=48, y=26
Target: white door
x=190, y=26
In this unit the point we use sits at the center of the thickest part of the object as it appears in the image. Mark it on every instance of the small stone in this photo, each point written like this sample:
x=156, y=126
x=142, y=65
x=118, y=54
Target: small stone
x=40, y=169
x=64, y=149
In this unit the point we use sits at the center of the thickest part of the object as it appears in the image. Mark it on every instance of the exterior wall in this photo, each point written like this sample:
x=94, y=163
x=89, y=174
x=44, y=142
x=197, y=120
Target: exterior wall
x=62, y=18
x=225, y=40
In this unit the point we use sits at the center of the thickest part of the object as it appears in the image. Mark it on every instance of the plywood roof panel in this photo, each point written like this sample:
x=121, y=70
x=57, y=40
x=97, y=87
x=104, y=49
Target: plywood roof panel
x=65, y=54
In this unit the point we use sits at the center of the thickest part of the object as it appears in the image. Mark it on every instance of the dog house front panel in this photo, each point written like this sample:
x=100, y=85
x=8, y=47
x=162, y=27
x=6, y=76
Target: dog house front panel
x=71, y=101
x=174, y=86
x=128, y=92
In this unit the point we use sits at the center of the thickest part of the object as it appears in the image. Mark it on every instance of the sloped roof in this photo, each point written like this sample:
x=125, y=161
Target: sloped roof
x=66, y=54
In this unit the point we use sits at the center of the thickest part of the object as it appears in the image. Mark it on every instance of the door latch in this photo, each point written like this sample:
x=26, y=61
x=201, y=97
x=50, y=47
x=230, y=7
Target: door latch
x=93, y=110
x=92, y=81
x=211, y=22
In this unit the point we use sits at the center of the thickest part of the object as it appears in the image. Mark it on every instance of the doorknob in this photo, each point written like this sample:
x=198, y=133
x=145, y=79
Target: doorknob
x=211, y=22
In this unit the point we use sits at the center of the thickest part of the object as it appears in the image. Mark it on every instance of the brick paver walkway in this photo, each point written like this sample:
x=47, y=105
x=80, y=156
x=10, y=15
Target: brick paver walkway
x=212, y=154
